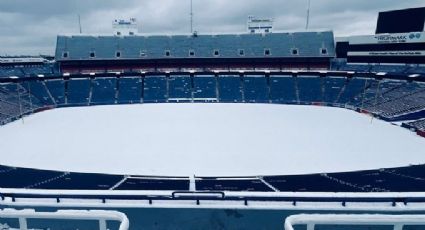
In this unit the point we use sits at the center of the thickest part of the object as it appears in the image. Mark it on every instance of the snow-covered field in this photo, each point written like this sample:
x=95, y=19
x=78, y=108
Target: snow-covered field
x=207, y=140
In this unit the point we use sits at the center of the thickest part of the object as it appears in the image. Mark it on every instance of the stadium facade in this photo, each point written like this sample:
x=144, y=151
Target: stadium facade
x=303, y=68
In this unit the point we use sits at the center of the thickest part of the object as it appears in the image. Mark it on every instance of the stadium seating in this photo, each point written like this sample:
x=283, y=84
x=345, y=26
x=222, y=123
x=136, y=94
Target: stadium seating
x=230, y=88
x=333, y=87
x=308, y=44
x=155, y=89
x=389, y=99
x=310, y=89
x=205, y=88
x=179, y=184
x=403, y=179
x=103, y=91
x=78, y=91
x=231, y=184
x=255, y=89
x=57, y=90
x=418, y=125
x=129, y=90
x=180, y=89
x=283, y=89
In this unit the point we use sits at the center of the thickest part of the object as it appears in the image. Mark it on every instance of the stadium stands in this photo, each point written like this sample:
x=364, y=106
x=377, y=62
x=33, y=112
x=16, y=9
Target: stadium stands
x=155, y=89
x=180, y=88
x=205, y=88
x=129, y=90
x=256, y=89
x=392, y=99
x=135, y=183
x=403, y=179
x=231, y=184
x=78, y=91
x=230, y=88
x=203, y=46
x=283, y=89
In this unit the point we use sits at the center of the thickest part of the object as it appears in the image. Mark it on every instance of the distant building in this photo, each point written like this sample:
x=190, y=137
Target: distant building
x=124, y=27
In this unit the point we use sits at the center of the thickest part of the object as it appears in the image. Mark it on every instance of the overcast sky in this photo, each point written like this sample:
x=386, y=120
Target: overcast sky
x=31, y=26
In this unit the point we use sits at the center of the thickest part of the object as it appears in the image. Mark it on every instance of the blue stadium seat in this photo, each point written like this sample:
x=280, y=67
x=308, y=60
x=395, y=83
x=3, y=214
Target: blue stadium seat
x=229, y=88
x=310, y=89
x=78, y=91
x=256, y=89
x=155, y=89
x=57, y=90
x=282, y=89
x=81, y=181
x=354, y=88
x=234, y=184
x=103, y=91
x=308, y=183
x=180, y=88
x=39, y=90
x=147, y=183
x=205, y=88
x=333, y=88
x=130, y=90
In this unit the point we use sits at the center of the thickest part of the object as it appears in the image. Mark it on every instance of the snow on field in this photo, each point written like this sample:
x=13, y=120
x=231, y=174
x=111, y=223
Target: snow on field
x=207, y=140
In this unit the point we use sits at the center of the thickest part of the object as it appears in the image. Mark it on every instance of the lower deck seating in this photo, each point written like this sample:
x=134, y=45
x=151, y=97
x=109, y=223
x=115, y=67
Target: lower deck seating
x=57, y=90
x=402, y=179
x=236, y=184
x=418, y=125
x=155, y=89
x=205, y=88
x=154, y=184
x=333, y=87
x=390, y=99
x=308, y=183
x=180, y=88
x=230, y=88
x=282, y=89
x=103, y=91
x=310, y=89
x=78, y=91
x=129, y=90
x=256, y=89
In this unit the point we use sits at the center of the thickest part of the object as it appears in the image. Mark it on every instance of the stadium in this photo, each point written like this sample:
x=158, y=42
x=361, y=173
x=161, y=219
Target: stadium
x=262, y=130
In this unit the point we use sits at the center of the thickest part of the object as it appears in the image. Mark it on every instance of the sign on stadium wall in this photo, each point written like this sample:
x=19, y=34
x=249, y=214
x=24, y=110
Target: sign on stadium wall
x=388, y=53
x=413, y=37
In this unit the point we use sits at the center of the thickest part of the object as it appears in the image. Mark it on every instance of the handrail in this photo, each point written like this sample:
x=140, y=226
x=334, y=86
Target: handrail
x=398, y=221
x=198, y=194
x=100, y=215
x=220, y=195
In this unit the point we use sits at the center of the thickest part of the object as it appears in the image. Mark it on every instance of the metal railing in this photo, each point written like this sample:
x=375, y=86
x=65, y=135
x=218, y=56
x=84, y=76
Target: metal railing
x=100, y=215
x=397, y=221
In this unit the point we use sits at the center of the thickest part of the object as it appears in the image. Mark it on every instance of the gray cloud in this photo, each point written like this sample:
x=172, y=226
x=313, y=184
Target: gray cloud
x=31, y=26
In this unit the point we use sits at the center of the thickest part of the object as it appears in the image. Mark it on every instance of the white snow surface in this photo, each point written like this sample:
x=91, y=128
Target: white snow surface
x=207, y=140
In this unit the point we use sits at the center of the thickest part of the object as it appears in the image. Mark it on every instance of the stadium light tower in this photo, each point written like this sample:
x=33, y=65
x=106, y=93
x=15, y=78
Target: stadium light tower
x=191, y=16
x=79, y=24
x=308, y=15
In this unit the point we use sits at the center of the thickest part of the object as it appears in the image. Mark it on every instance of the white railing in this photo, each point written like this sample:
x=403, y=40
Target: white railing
x=100, y=215
x=397, y=221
